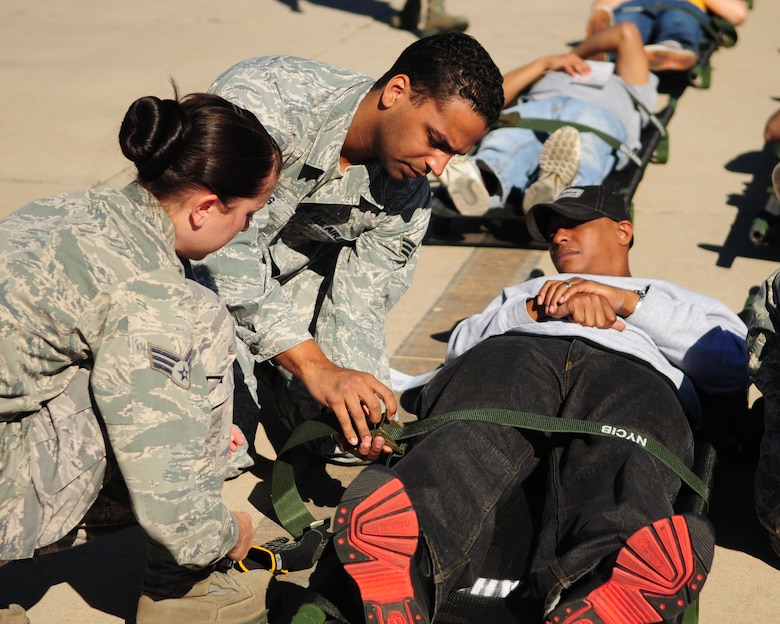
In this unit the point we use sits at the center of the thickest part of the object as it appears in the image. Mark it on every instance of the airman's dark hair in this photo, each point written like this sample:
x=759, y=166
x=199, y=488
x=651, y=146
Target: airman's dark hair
x=452, y=65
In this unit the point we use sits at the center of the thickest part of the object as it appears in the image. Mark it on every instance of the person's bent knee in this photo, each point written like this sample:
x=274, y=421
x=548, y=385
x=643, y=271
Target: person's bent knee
x=629, y=32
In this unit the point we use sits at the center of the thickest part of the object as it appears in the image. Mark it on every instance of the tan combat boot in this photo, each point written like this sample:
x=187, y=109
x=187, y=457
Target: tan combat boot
x=437, y=21
x=14, y=614
x=223, y=597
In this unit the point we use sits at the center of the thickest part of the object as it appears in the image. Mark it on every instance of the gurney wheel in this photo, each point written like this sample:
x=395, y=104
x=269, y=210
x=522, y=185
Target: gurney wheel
x=760, y=231
x=702, y=76
x=661, y=152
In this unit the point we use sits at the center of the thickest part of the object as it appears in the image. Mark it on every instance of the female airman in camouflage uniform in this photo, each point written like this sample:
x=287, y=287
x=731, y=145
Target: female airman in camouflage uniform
x=113, y=363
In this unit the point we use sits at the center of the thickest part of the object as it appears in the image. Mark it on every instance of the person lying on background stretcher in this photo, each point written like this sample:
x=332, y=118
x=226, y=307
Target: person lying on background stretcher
x=671, y=29
x=563, y=87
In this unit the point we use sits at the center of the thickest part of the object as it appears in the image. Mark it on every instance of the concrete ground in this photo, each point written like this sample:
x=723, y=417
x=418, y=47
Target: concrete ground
x=71, y=69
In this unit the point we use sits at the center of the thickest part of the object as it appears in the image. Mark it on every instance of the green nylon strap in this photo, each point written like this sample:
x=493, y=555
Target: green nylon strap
x=288, y=505
x=552, y=424
x=651, y=116
x=551, y=125
x=692, y=613
x=293, y=515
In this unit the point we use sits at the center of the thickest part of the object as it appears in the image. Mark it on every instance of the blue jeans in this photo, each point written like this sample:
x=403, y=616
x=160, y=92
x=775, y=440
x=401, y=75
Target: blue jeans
x=663, y=25
x=598, y=490
x=512, y=154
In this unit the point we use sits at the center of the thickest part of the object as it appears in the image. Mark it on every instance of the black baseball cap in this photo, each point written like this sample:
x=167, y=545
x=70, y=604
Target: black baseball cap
x=581, y=203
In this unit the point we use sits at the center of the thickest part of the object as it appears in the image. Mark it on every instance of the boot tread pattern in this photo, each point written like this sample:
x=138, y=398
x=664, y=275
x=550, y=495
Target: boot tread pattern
x=376, y=538
x=658, y=573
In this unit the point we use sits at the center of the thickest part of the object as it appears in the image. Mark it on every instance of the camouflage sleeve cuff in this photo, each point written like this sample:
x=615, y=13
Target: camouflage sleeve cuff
x=265, y=345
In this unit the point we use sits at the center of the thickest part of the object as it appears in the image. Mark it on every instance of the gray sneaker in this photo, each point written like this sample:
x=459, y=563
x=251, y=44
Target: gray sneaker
x=225, y=597
x=558, y=165
x=345, y=458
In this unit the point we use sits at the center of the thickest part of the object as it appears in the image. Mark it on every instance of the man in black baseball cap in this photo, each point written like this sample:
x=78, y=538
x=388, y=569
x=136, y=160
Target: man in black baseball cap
x=578, y=203
x=588, y=230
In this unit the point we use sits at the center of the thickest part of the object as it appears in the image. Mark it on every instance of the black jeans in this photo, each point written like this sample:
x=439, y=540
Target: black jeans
x=598, y=490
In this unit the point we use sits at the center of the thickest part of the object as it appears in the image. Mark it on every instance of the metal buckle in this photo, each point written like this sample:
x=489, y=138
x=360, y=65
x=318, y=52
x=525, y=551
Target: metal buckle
x=382, y=430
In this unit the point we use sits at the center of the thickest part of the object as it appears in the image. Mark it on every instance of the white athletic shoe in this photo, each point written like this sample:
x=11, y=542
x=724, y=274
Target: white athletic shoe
x=464, y=183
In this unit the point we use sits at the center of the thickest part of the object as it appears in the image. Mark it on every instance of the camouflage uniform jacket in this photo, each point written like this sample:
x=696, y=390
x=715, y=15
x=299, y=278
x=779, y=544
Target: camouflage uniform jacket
x=762, y=342
x=375, y=223
x=93, y=277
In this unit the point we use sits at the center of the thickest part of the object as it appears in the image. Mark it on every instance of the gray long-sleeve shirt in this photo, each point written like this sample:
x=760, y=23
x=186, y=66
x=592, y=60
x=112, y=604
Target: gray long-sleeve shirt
x=693, y=340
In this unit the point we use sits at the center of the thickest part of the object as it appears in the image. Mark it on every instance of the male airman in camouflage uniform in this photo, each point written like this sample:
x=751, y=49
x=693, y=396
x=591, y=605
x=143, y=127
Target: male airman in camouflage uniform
x=104, y=345
x=310, y=287
x=764, y=364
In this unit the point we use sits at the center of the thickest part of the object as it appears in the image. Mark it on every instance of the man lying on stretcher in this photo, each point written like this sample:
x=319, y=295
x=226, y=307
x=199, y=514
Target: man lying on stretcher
x=611, y=98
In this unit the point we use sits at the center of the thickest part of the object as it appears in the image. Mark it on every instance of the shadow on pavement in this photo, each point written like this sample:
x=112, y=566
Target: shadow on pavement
x=738, y=243
x=732, y=512
x=106, y=573
x=379, y=10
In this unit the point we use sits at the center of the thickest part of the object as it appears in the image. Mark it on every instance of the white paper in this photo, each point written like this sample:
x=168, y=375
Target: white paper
x=402, y=381
x=600, y=71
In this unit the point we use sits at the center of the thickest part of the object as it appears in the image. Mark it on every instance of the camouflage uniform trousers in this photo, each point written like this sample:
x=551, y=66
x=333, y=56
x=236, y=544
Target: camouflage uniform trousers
x=52, y=466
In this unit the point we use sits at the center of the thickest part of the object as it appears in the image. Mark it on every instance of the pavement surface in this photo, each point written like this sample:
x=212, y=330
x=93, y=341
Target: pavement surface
x=70, y=70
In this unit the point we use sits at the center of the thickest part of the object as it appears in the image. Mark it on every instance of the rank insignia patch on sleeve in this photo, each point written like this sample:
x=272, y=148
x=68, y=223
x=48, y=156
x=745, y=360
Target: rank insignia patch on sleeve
x=171, y=364
x=407, y=247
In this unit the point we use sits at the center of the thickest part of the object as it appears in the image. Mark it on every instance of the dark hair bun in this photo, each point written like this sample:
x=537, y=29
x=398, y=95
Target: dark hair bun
x=151, y=134
x=199, y=141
